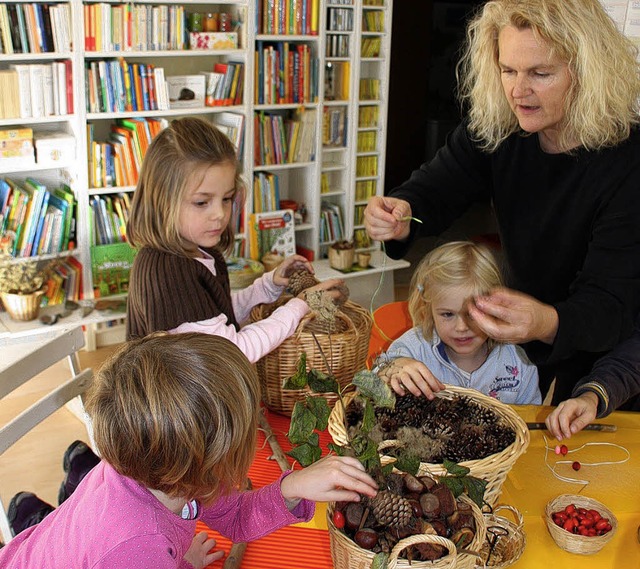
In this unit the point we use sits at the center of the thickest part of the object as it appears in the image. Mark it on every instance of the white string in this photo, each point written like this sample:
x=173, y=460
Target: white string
x=577, y=480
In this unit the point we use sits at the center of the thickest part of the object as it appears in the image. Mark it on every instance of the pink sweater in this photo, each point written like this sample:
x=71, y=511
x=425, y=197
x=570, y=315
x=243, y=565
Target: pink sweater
x=259, y=338
x=112, y=522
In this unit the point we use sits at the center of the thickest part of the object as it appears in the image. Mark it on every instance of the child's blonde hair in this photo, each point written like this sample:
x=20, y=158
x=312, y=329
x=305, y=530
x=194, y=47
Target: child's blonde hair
x=178, y=414
x=174, y=161
x=458, y=263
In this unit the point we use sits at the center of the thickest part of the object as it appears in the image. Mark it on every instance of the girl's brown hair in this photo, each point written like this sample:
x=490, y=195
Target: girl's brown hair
x=174, y=161
x=178, y=414
x=454, y=264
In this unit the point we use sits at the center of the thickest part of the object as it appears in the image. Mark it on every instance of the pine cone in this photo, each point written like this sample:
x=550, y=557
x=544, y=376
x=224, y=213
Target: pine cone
x=301, y=280
x=391, y=510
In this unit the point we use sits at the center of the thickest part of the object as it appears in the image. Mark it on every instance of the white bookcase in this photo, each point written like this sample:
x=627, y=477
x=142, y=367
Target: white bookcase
x=338, y=166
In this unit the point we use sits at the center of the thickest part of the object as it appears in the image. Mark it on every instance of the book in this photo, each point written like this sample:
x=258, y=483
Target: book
x=110, y=268
x=272, y=232
x=232, y=124
x=186, y=91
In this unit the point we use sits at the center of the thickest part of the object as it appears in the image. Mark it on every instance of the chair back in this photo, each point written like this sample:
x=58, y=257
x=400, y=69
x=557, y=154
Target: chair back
x=390, y=321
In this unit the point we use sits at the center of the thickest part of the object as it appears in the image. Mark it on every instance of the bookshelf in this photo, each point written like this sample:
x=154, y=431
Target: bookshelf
x=311, y=101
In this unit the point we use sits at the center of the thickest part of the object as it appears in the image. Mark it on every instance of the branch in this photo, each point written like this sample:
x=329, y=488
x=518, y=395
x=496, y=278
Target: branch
x=278, y=453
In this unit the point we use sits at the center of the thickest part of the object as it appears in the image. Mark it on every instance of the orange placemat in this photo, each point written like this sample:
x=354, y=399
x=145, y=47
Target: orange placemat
x=292, y=547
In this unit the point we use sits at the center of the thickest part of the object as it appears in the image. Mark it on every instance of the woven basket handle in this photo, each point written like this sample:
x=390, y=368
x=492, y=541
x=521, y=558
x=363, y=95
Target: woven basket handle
x=425, y=538
x=517, y=516
x=351, y=327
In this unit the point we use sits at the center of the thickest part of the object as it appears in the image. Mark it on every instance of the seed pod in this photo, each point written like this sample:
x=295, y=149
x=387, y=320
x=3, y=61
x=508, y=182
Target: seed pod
x=430, y=505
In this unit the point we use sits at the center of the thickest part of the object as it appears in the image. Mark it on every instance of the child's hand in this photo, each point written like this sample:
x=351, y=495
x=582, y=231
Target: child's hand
x=333, y=288
x=334, y=478
x=408, y=374
x=198, y=553
x=289, y=265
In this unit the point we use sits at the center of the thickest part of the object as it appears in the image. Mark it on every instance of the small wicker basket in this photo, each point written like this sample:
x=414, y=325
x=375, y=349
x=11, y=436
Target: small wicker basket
x=346, y=554
x=23, y=307
x=585, y=545
x=505, y=541
x=493, y=468
x=344, y=349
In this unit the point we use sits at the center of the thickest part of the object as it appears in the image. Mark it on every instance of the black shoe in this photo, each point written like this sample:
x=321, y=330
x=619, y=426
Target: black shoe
x=78, y=460
x=26, y=510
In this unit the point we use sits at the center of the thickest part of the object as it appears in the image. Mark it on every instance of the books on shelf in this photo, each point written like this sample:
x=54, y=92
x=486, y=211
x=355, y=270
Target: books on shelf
x=266, y=192
x=272, y=232
x=109, y=215
x=283, y=17
x=64, y=282
x=186, y=91
x=331, y=223
x=232, y=124
x=284, y=139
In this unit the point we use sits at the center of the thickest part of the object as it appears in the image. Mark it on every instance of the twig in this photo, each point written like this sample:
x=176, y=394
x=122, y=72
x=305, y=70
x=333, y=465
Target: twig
x=278, y=453
x=236, y=553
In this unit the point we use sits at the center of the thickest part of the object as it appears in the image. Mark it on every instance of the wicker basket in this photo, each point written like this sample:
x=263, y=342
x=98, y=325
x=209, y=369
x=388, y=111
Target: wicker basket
x=242, y=272
x=346, y=554
x=505, y=540
x=24, y=307
x=493, y=468
x=345, y=350
x=573, y=543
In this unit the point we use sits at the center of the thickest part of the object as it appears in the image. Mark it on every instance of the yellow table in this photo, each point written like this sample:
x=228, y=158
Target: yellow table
x=530, y=485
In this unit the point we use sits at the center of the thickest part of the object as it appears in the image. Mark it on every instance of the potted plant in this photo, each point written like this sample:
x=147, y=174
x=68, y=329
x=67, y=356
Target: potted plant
x=342, y=254
x=22, y=287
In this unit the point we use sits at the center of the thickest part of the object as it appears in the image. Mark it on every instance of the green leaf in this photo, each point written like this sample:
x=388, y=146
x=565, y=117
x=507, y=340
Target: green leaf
x=455, y=484
x=475, y=487
x=455, y=469
x=369, y=417
x=299, y=379
x=303, y=423
x=306, y=454
x=366, y=452
x=340, y=451
x=373, y=387
x=322, y=383
x=407, y=462
x=380, y=561
x=387, y=469
x=321, y=410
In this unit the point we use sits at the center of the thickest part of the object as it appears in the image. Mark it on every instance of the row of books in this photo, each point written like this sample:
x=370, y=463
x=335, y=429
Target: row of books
x=365, y=189
x=224, y=85
x=366, y=166
x=285, y=73
x=36, y=90
x=368, y=116
x=369, y=89
x=64, y=282
x=370, y=47
x=117, y=86
x=331, y=223
x=373, y=21
x=334, y=126
x=117, y=161
x=361, y=239
x=336, y=80
x=35, y=28
x=367, y=141
x=340, y=19
x=337, y=46
x=109, y=215
x=266, y=192
x=288, y=17
x=36, y=219
x=139, y=27
x=284, y=140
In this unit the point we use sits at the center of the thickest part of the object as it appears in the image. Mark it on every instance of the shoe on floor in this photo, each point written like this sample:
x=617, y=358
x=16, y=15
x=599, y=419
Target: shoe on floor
x=26, y=510
x=78, y=460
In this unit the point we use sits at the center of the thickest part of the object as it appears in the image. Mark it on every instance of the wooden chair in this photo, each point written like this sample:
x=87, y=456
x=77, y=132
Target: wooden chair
x=24, y=360
x=390, y=321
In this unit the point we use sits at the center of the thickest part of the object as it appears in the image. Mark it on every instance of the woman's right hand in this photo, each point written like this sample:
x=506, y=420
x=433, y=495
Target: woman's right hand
x=333, y=288
x=383, y=218
x=572, y=415
x=407, y=374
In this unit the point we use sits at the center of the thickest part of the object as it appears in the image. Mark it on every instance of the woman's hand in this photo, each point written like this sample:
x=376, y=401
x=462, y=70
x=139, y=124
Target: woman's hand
x=510, y=316
x=404, y=374
x=291, y=264
x=387, y=218
x=572, y=415
x=334, y=478
x=333, y=288
x=198, y=553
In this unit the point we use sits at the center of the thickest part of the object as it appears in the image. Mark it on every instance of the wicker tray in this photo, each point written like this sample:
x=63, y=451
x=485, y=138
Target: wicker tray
x=346, y=554
x=493, y=468
x=345, y=349
x=505, y=541
x=242, y=272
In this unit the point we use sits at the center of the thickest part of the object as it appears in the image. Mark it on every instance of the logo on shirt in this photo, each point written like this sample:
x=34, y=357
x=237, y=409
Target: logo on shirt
x=508, y=383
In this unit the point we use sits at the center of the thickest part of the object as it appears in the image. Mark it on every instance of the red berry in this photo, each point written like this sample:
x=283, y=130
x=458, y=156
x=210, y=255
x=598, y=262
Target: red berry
x=564, y=450
x=338, y=519
x=576, y=465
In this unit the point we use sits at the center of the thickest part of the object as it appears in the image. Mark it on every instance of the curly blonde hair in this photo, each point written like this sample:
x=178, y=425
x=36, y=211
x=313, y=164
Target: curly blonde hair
x=602, y=104
x=175, y=161
x=454, y=264
x=177, y=413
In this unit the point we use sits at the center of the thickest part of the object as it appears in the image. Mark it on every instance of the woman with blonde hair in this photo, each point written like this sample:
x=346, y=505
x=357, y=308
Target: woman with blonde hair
x=551, y=139
x=445, y=346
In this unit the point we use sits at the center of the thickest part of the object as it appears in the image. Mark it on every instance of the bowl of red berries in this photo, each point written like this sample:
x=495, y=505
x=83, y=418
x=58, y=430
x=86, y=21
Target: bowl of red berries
x=579, y=524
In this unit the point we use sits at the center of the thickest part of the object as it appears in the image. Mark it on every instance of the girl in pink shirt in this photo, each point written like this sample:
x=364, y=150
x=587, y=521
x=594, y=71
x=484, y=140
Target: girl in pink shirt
x=181, y=221
x=175, y=419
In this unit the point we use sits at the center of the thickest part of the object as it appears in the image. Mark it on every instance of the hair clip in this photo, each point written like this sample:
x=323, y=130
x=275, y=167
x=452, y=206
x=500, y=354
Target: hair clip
x=420, y=288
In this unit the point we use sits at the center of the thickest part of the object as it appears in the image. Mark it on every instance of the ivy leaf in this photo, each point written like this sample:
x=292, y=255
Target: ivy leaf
x=340, y=451
x=387, y=469
x=408, y=462
x=322, y=383
x=454, y=468
x=305, y=454
x=366, y=452
x=475, y=487
x=299, y=379
x=455, y=484
x=380, y=561
x=303, y=423
x=321, y=410
x=369, y=417
x=374, y=388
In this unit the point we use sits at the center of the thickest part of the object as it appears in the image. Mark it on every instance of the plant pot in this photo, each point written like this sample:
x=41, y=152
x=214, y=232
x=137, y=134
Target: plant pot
x=23, y=307
x=341, y=259
x=363, y=260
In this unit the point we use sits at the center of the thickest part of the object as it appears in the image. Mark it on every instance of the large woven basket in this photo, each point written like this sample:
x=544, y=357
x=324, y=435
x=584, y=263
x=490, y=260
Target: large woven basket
x=346, y=554
x=493, y=468
x=505, y=540
x=344, y=349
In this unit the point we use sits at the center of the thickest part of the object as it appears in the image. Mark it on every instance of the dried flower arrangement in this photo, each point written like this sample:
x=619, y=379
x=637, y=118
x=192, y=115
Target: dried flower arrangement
x=21, y=277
